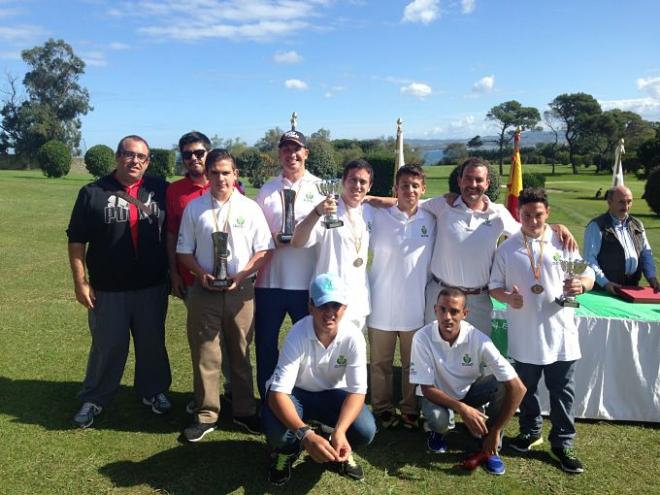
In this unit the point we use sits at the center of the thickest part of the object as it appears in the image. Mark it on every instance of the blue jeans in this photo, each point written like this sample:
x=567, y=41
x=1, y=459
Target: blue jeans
x=485, y=389
x=323, y=407
x=561, y=387
x=272, y=305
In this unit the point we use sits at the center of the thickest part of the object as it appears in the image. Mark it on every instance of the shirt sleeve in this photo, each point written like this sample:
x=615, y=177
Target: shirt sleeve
x=646, y=258
x=492, y=358
x=593, y=239
x=510, y=224
x=286, y=372
x=186, y=241
x=498, y=271
x=434, y=205
x=356, y=368
x=316, y=235
x=422, y=369
x=79, y=230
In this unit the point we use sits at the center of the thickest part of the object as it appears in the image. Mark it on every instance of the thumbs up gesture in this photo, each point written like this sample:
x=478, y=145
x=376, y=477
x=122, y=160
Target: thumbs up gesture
x=515, y=298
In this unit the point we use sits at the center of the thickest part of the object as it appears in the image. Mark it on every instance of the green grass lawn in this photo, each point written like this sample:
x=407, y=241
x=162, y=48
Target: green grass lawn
x=45, y=341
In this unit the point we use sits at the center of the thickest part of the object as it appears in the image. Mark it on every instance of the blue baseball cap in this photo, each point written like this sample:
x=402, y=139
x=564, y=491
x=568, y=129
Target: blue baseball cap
x=326, y=288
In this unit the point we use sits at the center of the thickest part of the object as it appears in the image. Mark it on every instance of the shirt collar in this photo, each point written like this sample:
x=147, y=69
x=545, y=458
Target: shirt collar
x=459, y=203
x=462, y=335
x=286, y=182
x=619, y=223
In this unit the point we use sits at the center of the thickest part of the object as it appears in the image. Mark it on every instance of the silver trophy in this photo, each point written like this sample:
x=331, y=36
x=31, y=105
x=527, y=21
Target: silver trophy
x=571, y=269
x=220, y=255
x=330, y=189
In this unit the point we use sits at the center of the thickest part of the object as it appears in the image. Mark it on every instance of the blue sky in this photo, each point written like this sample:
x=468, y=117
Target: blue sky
x=236, y=68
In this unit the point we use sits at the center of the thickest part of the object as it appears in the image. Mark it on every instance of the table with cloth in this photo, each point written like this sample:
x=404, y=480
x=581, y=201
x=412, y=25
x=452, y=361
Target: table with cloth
x=618, y=377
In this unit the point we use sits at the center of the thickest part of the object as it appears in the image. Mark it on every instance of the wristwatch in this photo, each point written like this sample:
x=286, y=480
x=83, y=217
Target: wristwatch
x=301, y=432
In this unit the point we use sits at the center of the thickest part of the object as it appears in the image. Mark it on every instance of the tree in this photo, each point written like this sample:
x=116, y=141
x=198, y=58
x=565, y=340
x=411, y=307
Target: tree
x=321, y=161
x=454, y=153
x=649, y=153
x=652, y=190
x=234, y=145
x=552, y=120
x=100, y=160
x=270, y=141
x=54, y=158
x=53, y=103
x=576, y=111
x=475, y=142
x=321, y=134
x=509, y=116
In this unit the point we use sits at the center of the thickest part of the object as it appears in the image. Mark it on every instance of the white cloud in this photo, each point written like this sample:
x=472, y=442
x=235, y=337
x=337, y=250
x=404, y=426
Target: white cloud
x=484, y=85
x=290, y=57
x=20, y=34
x=468, y=6
x=117, y=45
x=644, y=106
x=254, y=20
x=94, y=58
x=650, y=85
x=458, y=128
x=296, y=84
x=332, y=92
x=420, y=90
x=424, y=11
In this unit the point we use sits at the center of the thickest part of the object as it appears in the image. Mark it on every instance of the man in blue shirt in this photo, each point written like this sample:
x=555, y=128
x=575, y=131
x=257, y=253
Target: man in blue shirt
x=616, y=247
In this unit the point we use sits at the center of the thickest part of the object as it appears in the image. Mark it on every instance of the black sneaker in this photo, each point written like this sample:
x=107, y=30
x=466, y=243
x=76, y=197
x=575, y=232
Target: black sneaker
x=280, y=467
x=351, y=469
x=567, y=459
x=159, y=403
x=524, y=442
x=388, y=419
x=196, y=431
x=251, y=424
x=85, y=416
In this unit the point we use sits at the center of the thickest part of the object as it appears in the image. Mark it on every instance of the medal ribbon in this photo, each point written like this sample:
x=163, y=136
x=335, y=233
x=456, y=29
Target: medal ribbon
x=357, y=239
x=218, y=211
x=536, y=270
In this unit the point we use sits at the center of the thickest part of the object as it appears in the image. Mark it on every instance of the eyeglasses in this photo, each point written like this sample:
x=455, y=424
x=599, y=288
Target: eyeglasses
x=129, y=155
x=199, y=154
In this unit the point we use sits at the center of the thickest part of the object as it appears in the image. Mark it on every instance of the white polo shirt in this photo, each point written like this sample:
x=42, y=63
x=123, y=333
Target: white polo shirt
x=454, y=368
x=336, y=253
x=466, y=240
x=400, y=248
x=288, y=268
x=306, y=364
x=541, y=332
x=240, y=216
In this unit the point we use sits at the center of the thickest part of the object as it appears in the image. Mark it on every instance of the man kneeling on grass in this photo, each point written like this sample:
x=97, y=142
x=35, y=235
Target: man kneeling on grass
x=447, y=362
x=321, y=376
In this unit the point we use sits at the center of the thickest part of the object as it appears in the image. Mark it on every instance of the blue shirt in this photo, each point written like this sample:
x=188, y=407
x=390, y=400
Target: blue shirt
x=593, y=239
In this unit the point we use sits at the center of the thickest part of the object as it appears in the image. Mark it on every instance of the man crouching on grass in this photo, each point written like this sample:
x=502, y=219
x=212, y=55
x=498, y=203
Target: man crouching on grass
x=447, y=362
x=321, y=375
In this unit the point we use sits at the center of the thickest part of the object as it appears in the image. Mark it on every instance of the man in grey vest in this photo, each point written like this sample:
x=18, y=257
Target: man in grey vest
x=616, y=247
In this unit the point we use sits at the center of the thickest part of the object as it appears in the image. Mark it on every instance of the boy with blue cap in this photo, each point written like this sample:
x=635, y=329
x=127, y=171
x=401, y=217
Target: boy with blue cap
x=321, y=375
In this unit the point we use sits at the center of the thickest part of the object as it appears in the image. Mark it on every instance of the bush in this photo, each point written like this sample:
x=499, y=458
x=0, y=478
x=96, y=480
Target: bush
x=652, y=190
x=493, y=191
x=100, y=160
x=54, y=158
x=321, y=161
x=162, y=163
x=263, y=170
x=383, y=165
x=530, y=179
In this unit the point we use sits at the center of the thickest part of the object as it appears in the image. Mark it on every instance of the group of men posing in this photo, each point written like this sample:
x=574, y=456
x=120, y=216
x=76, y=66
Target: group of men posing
x=418, y=271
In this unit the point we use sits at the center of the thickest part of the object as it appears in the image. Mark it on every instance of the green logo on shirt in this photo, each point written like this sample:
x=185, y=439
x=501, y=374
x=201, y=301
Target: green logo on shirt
x=556, y=256
x=240, y=221
x=341, y=361
x=467, y=360
x=309, y=196
x=425, y=231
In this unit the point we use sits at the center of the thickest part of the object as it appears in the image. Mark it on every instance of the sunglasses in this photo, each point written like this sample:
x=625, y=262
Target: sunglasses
x=199, y=154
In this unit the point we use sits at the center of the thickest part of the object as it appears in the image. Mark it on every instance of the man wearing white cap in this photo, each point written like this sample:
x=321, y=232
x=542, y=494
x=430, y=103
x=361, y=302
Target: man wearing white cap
x=321, y=375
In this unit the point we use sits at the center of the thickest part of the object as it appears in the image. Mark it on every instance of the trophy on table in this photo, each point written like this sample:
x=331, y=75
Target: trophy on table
x=288, y=216
x=220, y=255
x=571, y=269
x=330, y=189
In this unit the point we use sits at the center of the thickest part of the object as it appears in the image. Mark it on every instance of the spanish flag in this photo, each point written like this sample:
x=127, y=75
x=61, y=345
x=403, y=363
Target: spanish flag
x=515, y=179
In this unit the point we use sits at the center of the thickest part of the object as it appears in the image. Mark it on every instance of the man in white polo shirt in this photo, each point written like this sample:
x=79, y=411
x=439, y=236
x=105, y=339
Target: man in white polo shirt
x=542, y=335
x=230, y=310
x=344, y=250
x=321, y=375
x=401, y=243
x=448, y=360
x=283, y=282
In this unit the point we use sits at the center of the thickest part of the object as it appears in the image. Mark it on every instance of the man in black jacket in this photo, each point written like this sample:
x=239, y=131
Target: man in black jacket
x=117, y=235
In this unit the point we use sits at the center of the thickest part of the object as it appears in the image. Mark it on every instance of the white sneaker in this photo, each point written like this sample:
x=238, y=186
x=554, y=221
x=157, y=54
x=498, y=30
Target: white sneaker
x=85, y=417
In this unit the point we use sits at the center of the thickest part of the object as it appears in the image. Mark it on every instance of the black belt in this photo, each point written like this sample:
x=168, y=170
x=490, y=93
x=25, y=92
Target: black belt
x=468, y=290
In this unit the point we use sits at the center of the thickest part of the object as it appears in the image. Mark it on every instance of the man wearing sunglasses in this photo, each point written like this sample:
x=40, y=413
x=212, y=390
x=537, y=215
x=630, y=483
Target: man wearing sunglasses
x=119, y=266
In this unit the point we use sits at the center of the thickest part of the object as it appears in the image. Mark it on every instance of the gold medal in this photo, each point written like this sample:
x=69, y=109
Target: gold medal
x=358, y=262
x=537, y=288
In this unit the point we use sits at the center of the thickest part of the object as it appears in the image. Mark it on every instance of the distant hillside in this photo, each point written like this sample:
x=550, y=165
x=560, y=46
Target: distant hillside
x=530, y=138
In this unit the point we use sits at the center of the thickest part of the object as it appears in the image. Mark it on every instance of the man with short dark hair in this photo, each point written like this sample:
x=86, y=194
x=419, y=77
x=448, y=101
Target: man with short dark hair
x=542, y=334
x=117, y=235
x=321, y=376
x=616, y=246
x=283, y=282
x=447, y=362
x=222, y=313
